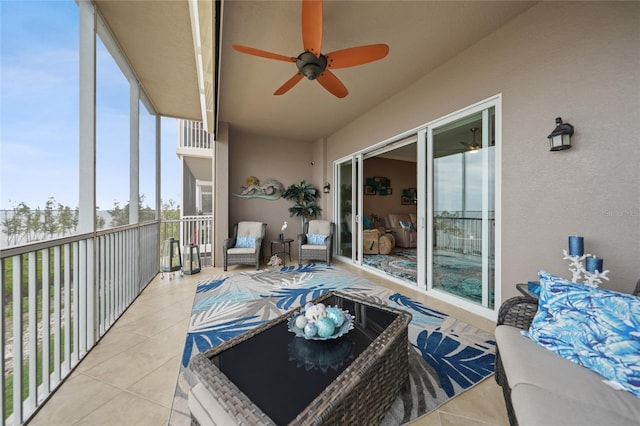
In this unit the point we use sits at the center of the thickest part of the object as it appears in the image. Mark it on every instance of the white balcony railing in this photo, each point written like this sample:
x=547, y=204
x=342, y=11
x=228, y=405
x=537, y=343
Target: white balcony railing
x=193, y=135
x=461, y=235
x=59, y=297
x=196, y=230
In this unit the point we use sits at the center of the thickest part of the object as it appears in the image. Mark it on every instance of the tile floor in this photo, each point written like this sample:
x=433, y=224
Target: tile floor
x=129, y=377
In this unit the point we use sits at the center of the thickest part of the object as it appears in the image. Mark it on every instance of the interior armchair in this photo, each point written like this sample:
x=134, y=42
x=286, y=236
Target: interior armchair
x=316, y=243
x=403, y=227
x=245, y=246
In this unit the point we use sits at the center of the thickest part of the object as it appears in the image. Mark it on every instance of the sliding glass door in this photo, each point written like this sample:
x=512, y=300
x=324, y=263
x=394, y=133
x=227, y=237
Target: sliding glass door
x=462, y=206
x=447, y=189
x=348, y=205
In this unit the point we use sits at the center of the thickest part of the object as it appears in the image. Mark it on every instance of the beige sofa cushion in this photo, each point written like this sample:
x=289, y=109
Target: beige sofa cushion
x=538, y=406
x=403, y=237
x=529, y=366
x=393, y=219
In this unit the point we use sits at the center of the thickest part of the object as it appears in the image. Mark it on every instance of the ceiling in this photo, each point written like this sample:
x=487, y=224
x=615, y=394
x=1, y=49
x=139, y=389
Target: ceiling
x=421, y=36
x=157, y=38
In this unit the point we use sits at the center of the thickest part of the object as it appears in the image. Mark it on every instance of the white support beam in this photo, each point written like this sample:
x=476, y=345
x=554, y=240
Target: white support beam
x=134, y=151
x=158, y=167
x=87, y=131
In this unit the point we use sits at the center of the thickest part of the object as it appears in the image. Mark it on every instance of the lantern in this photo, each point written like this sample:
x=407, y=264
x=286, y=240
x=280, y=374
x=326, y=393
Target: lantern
x=191, y=259
x=171, y=261
x=560, y=138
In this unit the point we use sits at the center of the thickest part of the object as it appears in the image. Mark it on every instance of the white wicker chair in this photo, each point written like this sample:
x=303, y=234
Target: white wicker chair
x=324, y=252
x=244, y=255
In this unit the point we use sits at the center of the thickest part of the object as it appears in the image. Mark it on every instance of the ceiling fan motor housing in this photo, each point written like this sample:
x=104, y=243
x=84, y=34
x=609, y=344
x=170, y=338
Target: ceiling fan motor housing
x=310, y=65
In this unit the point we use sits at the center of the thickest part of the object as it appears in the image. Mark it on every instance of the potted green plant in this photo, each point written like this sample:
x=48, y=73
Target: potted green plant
x=304, y=196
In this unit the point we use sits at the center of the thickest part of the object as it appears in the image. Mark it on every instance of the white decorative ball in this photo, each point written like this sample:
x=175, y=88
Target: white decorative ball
x=301, y=321
x=315, y=312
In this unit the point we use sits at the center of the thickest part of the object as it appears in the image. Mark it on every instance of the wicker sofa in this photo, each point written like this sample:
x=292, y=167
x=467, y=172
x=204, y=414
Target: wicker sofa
x=543, y=388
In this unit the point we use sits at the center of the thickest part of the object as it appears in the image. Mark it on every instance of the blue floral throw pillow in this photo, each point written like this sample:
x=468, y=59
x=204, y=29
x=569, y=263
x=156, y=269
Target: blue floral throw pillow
x=245, y=242
x=596, y=328
x=316, y=239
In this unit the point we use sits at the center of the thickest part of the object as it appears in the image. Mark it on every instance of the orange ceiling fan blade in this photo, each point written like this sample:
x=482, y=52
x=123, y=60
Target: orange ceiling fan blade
x=262, y=53
x=289, y=84
x=329, y=81
x=312, y=26
x=356, y=55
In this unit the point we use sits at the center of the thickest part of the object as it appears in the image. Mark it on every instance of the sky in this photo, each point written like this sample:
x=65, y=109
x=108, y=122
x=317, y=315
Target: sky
x=39, y=110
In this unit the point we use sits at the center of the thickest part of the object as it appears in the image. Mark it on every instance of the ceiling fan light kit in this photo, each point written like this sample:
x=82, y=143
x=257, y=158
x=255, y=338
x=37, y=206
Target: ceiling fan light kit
x=474, y=146
x=311, y=63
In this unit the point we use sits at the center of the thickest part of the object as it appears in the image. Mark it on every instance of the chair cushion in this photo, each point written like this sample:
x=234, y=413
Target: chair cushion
x=322, y=227
x=249, y=229
x=245, y=242
x=242, y=250
x=313, y=247
x=316, y=239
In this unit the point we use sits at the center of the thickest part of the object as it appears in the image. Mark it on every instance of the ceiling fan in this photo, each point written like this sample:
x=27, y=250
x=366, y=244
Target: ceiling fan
x=312, y=63
x=473, y=147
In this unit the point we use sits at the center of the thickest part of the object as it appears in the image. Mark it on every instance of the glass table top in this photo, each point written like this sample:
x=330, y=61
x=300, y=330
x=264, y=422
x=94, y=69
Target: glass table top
x=282, y=374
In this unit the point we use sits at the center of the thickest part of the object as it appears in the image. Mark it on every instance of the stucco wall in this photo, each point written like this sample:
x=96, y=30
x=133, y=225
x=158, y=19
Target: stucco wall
x=577, y=60
x=268, y=157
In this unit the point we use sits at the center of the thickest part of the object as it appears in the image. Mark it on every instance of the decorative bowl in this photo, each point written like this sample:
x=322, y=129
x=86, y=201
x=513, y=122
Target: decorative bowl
x=339, y=331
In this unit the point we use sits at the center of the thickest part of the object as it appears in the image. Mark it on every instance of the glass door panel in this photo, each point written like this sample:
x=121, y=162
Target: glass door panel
x=345, y=225
x=463, y=215
x=348, y=205
x=357, y=180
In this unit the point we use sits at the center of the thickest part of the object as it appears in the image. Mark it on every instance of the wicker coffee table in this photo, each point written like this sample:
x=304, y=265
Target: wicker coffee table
x=268, y=376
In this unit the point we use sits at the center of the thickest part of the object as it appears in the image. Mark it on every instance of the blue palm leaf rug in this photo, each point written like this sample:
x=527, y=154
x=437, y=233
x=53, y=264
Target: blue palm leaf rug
x=450, y=356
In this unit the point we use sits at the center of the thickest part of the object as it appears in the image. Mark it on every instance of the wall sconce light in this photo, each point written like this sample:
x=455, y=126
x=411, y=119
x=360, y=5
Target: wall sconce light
x=327, y=188
x=560, y=138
